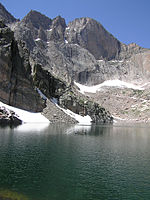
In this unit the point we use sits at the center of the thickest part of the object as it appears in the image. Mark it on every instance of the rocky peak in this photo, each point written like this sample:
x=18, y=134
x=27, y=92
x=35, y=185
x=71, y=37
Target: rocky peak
x=91, y=35
x=5, y=15
x=37, y=20
x=57, y=29
x=16, y=85
x=59, y=21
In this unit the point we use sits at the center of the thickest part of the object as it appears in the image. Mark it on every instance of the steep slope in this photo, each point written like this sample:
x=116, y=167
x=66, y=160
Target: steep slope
x=82, y=51
x=5, y=16
x=16, y=86
x=91, y=35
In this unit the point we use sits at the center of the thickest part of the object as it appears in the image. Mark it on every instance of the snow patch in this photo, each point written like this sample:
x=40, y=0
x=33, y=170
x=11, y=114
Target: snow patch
x=109, y=83
x=115, y=61
x=50, y=29
x=38, y=39
x=41, y=94
x=25, y=116
x=86, y=120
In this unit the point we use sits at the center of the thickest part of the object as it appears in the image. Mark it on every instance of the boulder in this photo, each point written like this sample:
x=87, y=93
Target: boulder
x=8, y=117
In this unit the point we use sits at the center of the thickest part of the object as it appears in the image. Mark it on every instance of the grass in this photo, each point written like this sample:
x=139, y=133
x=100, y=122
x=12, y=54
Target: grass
x=10, y=195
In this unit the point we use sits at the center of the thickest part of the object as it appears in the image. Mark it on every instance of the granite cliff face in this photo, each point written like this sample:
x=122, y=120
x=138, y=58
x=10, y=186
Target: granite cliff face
x=49, y=55
x=5, y=16
x=92, y=36
x=16, y=86
x=82, y=50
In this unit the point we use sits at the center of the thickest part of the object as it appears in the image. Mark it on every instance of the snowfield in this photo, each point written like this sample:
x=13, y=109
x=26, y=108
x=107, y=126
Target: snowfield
x=109, y=83
x=34, y=118
x=86, y=120
x=27, y=117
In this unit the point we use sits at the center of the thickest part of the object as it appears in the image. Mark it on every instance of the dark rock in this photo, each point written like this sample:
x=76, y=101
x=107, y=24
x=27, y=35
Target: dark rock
x=16, y=87
x=8, y=118
x=46, y=83
x=5, y=16
x=83, y=106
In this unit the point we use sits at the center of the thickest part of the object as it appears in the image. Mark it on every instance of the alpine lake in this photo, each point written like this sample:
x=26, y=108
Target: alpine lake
x=64, y=162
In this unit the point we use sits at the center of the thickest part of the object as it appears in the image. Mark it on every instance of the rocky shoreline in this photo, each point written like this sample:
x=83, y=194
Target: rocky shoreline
x=8, y=117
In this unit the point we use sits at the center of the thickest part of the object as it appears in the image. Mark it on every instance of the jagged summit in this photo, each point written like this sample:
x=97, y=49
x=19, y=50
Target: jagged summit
x=60, y=55
x=92, y=36
x=37, y=20
x=6, y=16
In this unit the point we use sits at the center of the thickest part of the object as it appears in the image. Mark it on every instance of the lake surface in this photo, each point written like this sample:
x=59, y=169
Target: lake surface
x=60, y=162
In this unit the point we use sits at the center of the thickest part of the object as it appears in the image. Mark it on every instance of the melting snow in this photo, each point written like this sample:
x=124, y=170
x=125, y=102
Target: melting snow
x=38, y=39
x=50, y=29
x=109, y=83
x=25, y=116
x=41, y=94
x=66, y=41
x=86, y=120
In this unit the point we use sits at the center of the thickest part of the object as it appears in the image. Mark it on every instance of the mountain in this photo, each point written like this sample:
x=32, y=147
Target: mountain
x=82, y=50
x=57, y=55
x=16, y=87
x=91, y=35
x=6, y=16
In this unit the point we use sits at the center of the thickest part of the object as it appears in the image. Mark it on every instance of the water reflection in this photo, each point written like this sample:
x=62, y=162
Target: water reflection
x=79, y=129
x=32, y=127
x=76, y=162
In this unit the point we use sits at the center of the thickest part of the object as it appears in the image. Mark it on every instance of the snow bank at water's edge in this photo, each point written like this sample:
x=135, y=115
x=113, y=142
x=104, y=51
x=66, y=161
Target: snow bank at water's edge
x=25, y=116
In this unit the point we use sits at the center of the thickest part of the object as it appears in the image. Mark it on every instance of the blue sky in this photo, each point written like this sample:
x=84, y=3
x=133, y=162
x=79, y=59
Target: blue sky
x=127, y=20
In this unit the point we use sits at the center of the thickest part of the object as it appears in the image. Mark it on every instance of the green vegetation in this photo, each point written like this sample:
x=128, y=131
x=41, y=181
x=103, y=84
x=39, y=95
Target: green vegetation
x=138, y=92
x=10, y=195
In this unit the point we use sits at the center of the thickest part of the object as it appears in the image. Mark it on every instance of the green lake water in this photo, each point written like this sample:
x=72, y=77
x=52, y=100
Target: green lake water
x=61, y=162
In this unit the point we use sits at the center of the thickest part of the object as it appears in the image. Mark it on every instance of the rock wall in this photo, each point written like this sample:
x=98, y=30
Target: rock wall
x=46, y=83
x=83, y=106
x=91, y=35
x=16, y=87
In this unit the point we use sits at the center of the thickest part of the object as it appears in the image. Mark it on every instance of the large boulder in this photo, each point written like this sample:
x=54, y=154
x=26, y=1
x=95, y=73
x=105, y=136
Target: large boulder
x=8, y=117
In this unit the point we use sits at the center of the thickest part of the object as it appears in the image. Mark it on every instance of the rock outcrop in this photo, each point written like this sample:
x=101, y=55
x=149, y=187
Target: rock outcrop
x=49, y=55
x=91, y=35
x=5, y=16
x=16, y=86
x=83, y=106
x=8, y=117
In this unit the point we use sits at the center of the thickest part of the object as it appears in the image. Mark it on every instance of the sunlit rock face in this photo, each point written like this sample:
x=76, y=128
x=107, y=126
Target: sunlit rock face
x=16, y=86
x=50, y=55
x=5, y=16
x=91, y=35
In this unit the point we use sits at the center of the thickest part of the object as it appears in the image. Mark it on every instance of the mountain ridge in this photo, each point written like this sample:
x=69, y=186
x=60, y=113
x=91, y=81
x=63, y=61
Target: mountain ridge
x=82, y=51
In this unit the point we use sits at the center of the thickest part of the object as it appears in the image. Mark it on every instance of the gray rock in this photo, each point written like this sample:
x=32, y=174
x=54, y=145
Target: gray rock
x=8, y=118
x=91, y=35
x=16, y=86
x=5, y=16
